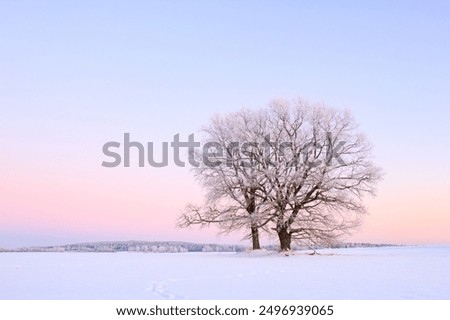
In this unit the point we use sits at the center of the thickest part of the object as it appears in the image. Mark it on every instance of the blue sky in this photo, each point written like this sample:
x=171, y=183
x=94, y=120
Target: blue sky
x=74, y=75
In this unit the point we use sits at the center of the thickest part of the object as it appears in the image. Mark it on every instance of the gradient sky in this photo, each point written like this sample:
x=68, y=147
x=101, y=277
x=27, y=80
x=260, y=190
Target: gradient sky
x=74, y=75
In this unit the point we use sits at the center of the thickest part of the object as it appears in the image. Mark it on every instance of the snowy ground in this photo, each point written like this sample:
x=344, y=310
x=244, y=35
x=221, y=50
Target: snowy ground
x=369, y=273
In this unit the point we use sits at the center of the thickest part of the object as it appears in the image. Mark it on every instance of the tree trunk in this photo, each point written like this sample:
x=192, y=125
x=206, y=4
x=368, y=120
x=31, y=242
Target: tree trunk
x=255, y=238
x=285, y=239
x=251, y=206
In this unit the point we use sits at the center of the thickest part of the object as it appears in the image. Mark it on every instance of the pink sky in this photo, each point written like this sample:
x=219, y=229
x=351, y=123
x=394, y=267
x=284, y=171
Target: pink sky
x=74, y=76
x=57, y=204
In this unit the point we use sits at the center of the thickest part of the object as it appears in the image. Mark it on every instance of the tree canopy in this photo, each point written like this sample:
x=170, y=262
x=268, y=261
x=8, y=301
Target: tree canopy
x=291, y=168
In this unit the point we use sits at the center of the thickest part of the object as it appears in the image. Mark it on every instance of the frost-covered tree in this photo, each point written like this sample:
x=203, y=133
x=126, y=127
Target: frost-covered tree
x=233, y=199
x=317, y=171
x=292, y=168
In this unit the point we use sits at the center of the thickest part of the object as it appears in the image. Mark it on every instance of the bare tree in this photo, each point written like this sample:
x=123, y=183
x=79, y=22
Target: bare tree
x=300, y=170
x=232, y=199
x=317, y=171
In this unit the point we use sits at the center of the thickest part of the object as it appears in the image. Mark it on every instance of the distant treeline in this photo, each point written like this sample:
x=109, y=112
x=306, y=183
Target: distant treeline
x=168, y=246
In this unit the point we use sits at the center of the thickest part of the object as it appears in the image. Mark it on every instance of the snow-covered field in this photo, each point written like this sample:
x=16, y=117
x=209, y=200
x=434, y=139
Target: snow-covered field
x=366, y=273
